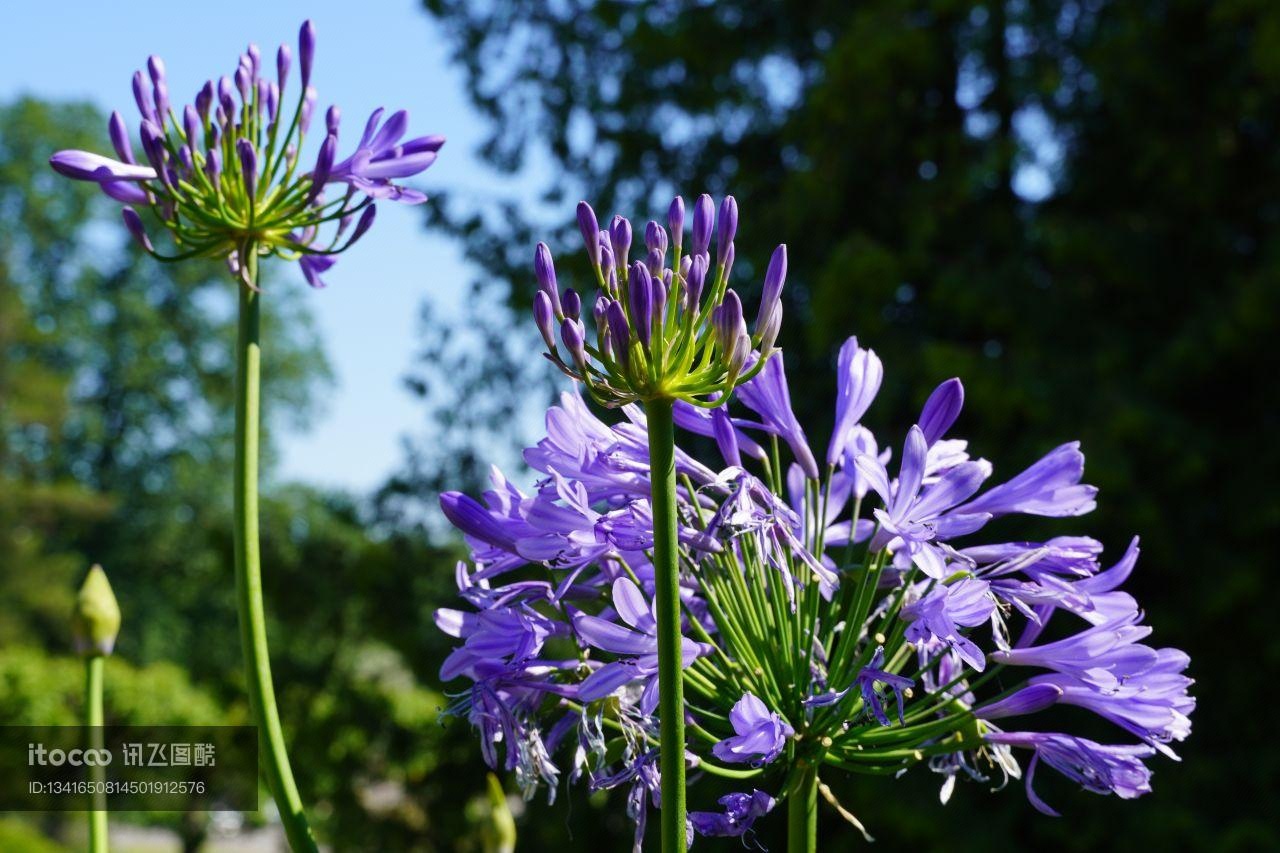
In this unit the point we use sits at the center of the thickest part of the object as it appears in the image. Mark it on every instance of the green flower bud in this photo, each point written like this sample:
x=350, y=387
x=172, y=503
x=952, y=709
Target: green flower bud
x=95, y=621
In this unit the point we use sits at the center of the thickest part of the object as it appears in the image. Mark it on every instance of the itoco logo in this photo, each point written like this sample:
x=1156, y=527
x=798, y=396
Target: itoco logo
x=37, y=754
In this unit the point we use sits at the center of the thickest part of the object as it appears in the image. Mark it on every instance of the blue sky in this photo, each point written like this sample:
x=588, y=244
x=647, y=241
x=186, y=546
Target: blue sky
x=385, y=54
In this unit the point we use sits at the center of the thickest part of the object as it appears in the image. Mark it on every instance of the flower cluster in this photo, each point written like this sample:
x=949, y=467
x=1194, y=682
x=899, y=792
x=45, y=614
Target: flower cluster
x=665, y=326
x=223, y=174
x=838, y=617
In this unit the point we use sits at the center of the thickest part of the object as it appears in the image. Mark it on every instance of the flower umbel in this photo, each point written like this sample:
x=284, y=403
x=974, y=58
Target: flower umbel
x=667, y=325
x=833, y=620
x=224, y=175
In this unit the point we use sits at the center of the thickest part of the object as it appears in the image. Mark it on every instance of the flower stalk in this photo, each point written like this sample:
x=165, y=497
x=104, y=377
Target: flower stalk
x=93, y=716
x=802, y=811
x=248, y=567
x=95, y=625
x=658, y=414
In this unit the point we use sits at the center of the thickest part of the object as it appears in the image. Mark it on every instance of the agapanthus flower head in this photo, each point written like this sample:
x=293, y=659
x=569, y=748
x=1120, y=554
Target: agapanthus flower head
x=668, y=325
x=224, y=175
x=851, y=620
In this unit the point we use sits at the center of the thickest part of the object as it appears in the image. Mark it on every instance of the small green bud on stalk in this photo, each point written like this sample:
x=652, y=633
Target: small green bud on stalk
x=95, y=621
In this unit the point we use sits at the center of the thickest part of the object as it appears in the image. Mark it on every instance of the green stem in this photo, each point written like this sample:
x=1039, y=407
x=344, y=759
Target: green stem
x=667, y=581
x=93, y=717
x=802, y=812
x=253, y=628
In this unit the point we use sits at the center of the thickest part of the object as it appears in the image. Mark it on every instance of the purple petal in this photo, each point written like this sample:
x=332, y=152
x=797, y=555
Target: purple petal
x=87, y=166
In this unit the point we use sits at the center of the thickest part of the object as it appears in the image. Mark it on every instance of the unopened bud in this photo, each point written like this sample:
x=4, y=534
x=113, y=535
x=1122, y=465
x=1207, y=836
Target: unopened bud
x=95, y=621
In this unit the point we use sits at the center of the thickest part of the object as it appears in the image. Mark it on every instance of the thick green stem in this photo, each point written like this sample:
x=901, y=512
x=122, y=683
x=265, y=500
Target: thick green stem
x=93, y=717
x=666, y=576
x=253, y=627
x=802, y=812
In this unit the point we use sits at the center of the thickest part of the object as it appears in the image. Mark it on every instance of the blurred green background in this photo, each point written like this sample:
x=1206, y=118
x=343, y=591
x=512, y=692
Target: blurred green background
x=1073, y=206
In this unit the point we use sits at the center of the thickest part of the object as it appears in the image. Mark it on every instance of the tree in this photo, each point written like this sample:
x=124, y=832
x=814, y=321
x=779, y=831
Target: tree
x=1071, y=205
x=115, y=423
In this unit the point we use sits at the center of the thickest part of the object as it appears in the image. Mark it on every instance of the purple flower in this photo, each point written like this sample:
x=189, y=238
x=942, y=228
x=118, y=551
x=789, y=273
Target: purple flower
x=1103, y=657
x=1028, y=700
x=381, y=158
x=740, y=812
x=941, y=614
x=503, y=635
x=858, y=377
x=590, y=228
x=638, y=643
x=941, y=410
x=866, y=680
x=1049, y=487
x=912, y=519
x=760, y=735
x=207, y=203
x=86, y=166
x=767, y=395
x=1102, y=769
x=1152, y=703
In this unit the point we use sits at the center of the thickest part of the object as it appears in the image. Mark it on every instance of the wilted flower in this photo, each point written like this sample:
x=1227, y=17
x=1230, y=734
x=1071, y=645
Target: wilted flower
x=224, y=174
x=839, y=620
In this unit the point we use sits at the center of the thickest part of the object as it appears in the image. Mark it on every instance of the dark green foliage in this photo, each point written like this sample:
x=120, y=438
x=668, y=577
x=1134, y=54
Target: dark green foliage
x=891, y=145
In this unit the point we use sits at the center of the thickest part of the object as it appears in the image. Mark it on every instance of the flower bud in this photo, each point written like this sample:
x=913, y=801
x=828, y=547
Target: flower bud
x=620, y=241
x=119, y=134
x=941, y=410
x=659, y=303
x=590, y=228
x=191, y=124
x=726, y=266
x=324, y=163
x=725, y=435
x=730, y=328
x=308, y=107
x=364, y=224
x=728, y=221
x=654, y=261
x=204, y=99
x=284, y=58
x=244, y=83
x=213, y=164
x=125, y=192
x=332, y=118
x=248, y=166
x=95, y=621
x=619, y=334
x=600, y=312
x=573, y=333
x=675, y=220
x=133, y=222
x=571, y=303
x=544, y=269
x=704, y=213
x=226, y=96
x=255, y=59
x=273, y=102
x=655, y=238
x=306, y=50
x=142, y=95
x=696, y=280
x=640, y=289
x=606, y=252
x=155, y=67
x=775, y=276
x=544, y=318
